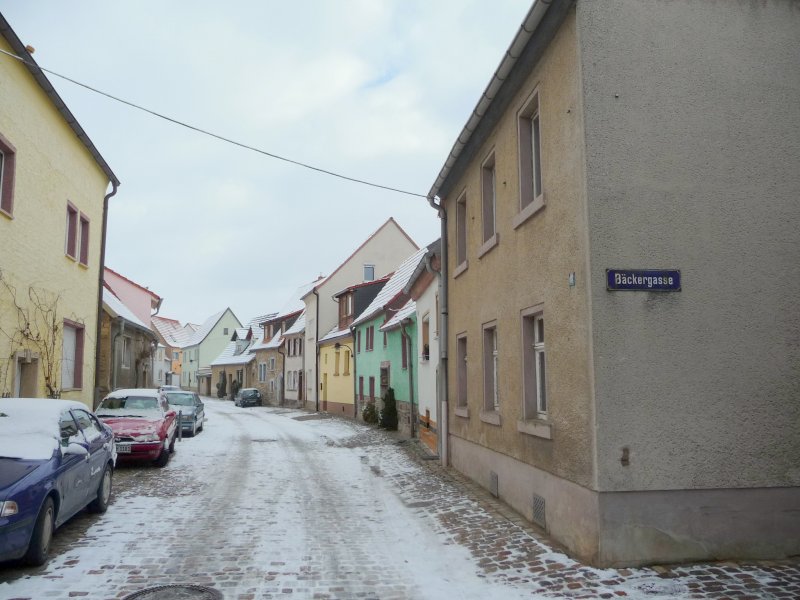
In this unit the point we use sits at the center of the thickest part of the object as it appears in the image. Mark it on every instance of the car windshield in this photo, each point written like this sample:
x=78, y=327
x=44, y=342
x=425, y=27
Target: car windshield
x=181, y=399
x=250, y=393
x=128, y=405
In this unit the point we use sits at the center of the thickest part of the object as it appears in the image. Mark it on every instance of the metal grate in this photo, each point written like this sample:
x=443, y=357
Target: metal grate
x=538, y=511
x=176, y=592
x=494, y=486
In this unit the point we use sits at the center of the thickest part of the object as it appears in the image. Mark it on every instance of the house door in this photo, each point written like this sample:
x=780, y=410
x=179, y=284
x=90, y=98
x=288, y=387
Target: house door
x=384, y=378
x=27, y=377
x=324, y=391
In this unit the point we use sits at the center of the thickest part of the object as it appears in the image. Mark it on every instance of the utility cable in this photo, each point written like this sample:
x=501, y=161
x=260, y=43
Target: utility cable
x=33, y=65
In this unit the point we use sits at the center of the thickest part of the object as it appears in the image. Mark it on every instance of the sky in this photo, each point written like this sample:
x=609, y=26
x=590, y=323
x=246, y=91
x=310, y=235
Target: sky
x=376, y=90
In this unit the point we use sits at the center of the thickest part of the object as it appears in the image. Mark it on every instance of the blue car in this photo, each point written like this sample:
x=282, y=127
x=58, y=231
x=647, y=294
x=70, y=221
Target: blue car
x=56, y=458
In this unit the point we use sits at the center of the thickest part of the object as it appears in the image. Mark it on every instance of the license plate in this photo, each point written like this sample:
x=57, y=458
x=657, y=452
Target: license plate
x=123, y=448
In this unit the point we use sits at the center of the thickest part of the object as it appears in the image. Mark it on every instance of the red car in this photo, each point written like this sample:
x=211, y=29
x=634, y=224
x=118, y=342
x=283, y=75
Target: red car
x=144, y=425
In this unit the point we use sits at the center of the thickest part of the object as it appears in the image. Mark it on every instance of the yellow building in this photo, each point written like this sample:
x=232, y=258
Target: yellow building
x=337, y=373
x=53, y=202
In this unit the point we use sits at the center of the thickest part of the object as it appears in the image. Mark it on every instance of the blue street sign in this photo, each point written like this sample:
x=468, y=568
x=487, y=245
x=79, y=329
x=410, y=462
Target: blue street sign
x=643, y=280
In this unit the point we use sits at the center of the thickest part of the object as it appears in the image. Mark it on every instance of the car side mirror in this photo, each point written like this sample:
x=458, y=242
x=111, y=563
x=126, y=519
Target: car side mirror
x=76, y=448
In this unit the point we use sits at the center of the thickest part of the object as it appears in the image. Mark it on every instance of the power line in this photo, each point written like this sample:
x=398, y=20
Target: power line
x=33, y=65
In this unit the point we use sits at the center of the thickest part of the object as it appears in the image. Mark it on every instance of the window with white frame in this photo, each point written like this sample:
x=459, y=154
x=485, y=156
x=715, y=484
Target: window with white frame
x=83, y=253
x=489, y=197
x=71, y=241
x=461, y=371
x=127, y=348
x=369, y=272
x=262, y=372
x=72, y=356
x=271, y=386
x=491, y=396
x=7, y=166
x=461, y=230
x=531, y=196
x=426, y=338
x=534, y=365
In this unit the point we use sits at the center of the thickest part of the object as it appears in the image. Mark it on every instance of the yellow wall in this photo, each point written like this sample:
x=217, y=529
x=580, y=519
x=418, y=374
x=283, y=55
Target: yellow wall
x=339, y=386
x=52, y=167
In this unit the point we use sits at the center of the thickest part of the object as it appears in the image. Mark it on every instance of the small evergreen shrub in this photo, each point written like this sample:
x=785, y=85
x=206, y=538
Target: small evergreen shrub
x=369, y=413
x=389, y=412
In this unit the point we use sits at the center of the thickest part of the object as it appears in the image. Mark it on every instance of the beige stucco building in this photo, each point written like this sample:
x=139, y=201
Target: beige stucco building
x=634, y=426
x=54, y=190
x=377, y=256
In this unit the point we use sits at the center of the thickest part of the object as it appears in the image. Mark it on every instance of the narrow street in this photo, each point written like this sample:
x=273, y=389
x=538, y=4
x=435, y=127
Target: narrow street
x=268, y=503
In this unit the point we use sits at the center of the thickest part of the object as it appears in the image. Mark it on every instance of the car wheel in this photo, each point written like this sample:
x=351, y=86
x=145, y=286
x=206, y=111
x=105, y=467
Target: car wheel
x=162, y=459
x=42, y=534
x=100, y=503
x=201, y=424
x=172, y=443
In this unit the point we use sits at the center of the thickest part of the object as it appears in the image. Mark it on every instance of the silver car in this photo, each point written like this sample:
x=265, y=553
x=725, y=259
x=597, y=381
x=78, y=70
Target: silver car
x=190, y=407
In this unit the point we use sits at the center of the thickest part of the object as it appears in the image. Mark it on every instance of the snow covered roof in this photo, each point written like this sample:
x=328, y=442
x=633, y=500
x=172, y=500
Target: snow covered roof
x=171, y=330
x=229, y=357
x=295, y=303
x=275, y=342
x=408, y=309
x=393, y=287
x=335, y=333
x=299, y=325
x=116, y=308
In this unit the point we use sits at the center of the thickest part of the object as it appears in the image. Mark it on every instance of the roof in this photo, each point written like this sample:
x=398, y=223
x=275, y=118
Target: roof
x=295, y=303
x=19, y=48
x=335, y=333
x=229, y=357
x=275, y=342
x=171, y=330
x=114, y=306
x=408, y=309
x=206, y=328
x=322, y=280
x=133, y=283
x=434, y=249
x=363, y=284
x=492, y=99
x=393, y=287
x=299, y=325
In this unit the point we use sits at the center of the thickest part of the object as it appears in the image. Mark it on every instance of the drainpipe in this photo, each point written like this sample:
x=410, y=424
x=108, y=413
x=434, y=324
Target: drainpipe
x=355, y=373
x=410, y=358
x=316, y=353
x=442, y=389
x=100, y=280
x=115, y=362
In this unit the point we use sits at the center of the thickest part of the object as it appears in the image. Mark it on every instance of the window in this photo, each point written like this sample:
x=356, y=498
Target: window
x=488, y=197
x=175, y=356
x=262, y=372
x=461, y=230
x=7, y=167
x=71, y=244
x=461, y=371
x=534, y=366
x=347, y=362
x=491, y=397
x=225, y=331
x=72, y=356
x=358, y=341
x=336, y=362
x=370, y=338
x=426, y=338
x=404, y=351
x=372, y=388
x=361, y=389
x=385, y=340
x=531, y=197
x=369, y=272
x=126, y=352
x=84, y=250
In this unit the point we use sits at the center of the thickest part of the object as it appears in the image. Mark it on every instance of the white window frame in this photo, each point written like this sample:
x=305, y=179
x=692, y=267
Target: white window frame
x=491, y=389
x=531, y=183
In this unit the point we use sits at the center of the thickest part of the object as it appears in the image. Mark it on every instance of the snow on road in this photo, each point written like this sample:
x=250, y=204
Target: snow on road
x=262, y=503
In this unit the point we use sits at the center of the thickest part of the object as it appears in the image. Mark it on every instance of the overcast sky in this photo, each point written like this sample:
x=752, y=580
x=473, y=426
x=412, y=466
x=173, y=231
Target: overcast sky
x=373, y=89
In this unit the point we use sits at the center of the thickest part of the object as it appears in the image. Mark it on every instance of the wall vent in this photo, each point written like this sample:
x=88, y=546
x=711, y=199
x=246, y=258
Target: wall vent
x=538, y=511
x=494, y=487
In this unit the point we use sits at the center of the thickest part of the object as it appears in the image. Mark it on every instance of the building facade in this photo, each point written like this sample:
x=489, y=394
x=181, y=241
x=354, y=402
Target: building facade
x=53, y=204
x=632, y=425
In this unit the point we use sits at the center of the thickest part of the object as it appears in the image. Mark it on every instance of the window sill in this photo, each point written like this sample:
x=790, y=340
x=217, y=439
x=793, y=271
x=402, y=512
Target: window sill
x=536, y=427
x=489, y=244
x=83, y=264
x=462, y=411
x=527, y=212
x=6, y=214
x=461, y=268
x=490, y=416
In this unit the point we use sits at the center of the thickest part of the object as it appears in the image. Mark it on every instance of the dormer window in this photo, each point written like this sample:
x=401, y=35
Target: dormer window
x=369, y=272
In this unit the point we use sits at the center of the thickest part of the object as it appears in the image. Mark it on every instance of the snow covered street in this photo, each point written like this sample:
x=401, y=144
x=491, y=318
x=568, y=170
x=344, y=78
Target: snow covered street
x=268, y=502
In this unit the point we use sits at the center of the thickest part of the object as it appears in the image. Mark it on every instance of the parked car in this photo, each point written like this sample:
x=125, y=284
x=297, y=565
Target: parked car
x=248, y=397
x=144, y=425
x=191, y=409
x=56, y=458
x=169, y=388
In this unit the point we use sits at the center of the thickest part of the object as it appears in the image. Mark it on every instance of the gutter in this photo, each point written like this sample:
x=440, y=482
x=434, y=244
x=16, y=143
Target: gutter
x=100, y=279
x=442, y=414
x=316, y=352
